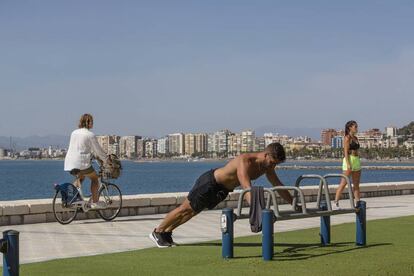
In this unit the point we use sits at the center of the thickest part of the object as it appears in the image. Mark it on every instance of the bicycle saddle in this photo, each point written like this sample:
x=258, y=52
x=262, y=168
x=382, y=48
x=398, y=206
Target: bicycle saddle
x=75, y=172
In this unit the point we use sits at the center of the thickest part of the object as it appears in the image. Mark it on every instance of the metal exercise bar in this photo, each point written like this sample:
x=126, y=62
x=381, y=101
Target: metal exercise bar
x=348, y=183
x=322, y=185
x=271, y=214
x=272, y=197
x=287, y=188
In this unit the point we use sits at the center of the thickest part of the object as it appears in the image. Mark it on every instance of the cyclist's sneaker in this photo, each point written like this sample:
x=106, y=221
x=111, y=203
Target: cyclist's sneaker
x=168, y=238
x=98, y=205
x=335, y=206
x=159, y=239
x=78, y=202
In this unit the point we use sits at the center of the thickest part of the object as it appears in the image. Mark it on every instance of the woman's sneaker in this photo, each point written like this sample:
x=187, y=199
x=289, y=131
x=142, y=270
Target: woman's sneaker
x=168, y=238
x=159, y=239
x=336, y=206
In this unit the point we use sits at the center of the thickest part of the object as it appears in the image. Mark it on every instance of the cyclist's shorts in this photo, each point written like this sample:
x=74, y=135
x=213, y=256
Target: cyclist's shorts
x=355, y=163
x=87, y=171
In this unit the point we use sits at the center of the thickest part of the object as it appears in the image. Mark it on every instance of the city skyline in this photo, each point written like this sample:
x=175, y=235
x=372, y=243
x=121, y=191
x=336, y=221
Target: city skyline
x=224, y=143
x=156, y=67
x=60, y=141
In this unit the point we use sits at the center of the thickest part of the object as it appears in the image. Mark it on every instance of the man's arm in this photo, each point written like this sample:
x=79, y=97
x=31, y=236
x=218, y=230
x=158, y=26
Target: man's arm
x=275, y=181
x=243, y=176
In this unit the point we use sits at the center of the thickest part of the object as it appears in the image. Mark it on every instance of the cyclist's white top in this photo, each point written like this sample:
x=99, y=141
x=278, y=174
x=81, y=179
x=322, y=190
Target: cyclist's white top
x=82, y=147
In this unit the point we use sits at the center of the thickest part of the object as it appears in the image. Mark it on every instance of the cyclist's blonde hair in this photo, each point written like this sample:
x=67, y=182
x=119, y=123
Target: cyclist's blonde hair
x=86, y=121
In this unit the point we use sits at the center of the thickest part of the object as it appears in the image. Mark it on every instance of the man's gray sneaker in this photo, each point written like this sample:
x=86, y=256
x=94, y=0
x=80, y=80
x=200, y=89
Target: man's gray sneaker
x=159, y=239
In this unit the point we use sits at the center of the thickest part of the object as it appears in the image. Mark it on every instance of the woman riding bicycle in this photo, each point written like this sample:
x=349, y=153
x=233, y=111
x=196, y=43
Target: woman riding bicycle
x=82, y=147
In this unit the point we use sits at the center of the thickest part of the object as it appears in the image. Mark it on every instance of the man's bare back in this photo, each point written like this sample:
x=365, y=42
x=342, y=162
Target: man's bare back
x=246, y=167
x=228, y=175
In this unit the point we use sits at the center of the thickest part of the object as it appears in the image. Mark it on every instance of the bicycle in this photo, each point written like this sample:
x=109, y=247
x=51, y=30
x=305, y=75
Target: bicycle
x=69, y=199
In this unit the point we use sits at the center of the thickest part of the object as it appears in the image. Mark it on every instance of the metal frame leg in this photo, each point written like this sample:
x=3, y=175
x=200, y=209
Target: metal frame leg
x=361, y=223
x=267, y=234
x=227, y=228
x=325, y=228
x=10, y=250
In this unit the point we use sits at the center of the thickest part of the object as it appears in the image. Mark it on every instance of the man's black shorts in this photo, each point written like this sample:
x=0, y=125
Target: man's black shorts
x=206, y=193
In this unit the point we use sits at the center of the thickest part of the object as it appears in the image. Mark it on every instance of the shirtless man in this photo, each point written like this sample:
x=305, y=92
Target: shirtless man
x=213, y=187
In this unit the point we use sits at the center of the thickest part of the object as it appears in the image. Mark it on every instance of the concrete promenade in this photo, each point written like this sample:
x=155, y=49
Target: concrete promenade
x=48, y=241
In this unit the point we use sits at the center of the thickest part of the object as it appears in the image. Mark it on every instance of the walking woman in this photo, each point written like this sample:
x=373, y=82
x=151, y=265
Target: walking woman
x=351, y=164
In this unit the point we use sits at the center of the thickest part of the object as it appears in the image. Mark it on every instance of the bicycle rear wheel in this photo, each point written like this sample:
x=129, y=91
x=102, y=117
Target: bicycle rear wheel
x=111, y=195
x=63, y=214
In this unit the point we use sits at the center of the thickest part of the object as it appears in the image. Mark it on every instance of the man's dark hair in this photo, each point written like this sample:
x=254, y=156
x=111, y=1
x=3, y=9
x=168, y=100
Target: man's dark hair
x=277, y=151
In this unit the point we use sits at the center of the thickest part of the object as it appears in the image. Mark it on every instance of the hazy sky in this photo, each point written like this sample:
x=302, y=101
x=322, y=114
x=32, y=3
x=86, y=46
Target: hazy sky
x=157, y=67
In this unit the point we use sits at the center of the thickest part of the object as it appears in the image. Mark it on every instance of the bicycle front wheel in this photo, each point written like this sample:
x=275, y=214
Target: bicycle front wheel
x=111, y=195
x=63, y=214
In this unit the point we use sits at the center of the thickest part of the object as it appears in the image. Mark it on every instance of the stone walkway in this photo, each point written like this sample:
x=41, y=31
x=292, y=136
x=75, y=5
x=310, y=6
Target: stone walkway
x=47, y=241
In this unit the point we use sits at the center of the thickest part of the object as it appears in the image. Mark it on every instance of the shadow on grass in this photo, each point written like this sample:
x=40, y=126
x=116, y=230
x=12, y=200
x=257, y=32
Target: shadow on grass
x=299, y=251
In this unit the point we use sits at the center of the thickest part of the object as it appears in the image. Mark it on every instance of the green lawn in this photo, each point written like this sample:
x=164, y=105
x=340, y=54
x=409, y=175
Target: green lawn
x=390, y=251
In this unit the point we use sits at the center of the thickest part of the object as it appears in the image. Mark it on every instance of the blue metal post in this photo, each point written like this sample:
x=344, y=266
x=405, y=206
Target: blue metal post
x=267, y=234
x=10, y=250
x=227, y=221
x=325, y=231
x=361, y=223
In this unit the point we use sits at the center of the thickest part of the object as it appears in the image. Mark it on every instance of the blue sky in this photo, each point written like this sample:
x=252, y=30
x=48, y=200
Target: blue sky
x=157, y=67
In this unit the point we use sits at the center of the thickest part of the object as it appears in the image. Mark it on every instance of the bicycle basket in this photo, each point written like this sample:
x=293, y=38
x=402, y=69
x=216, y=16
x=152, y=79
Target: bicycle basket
x=68, y=192
x=112, y=168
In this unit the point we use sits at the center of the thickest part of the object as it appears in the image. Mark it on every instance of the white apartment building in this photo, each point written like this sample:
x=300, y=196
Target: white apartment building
x=247, y=141
x=128, y=146
x=211, y=143
x=162, y=145
x=140, y=148
x=234, y=144
x=109, y=143
x=259, y=144
x=151, y=148
x=391, y=131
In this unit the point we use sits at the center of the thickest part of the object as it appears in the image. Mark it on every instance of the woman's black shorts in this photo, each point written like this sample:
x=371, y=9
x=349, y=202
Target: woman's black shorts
x=206, y=193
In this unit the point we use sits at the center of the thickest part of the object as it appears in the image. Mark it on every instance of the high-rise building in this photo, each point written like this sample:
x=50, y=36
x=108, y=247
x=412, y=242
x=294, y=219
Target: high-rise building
x=103, y=141
x=391, y=131
x=109, y=143
x=200, y=142
x=221, y=140
x=128, y=146
x=162, y=145
x=176, y=143
x=247, y=141
x=327, y=135
x=151, y=148
x=189, y=144
x=234, y=144
x=140, y=148
x=259, y=144
x=218, y=143
x=211, y=143
x=337, y=142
